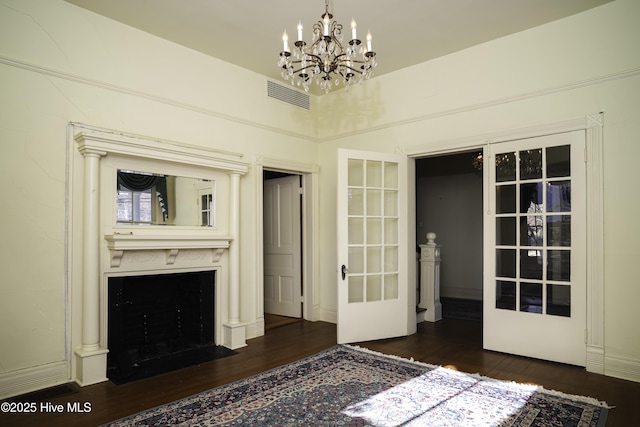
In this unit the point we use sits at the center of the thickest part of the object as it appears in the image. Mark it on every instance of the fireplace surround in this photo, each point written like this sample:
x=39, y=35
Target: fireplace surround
x=160, y=322
x=105, y=250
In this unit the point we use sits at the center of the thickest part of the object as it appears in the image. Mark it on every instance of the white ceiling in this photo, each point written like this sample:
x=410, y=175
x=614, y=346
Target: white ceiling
x=248, y=33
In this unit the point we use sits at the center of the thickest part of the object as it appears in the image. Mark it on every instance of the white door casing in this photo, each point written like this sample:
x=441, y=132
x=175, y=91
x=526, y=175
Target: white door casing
x=282, y=247
x=372, y=276
x=535, y=282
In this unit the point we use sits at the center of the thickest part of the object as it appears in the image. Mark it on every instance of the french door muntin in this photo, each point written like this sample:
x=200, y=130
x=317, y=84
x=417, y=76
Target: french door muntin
x=533, y=208
x=537, y=292
x=373, y=229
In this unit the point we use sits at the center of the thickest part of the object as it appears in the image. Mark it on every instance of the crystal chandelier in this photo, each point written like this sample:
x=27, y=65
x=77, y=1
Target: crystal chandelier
x=326, y=60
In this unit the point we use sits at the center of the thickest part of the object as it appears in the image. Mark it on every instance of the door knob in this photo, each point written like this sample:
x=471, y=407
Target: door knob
x=344, y=271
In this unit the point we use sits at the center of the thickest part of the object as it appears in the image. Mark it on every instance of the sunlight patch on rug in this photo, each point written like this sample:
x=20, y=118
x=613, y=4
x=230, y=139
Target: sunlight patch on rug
x=443, y=396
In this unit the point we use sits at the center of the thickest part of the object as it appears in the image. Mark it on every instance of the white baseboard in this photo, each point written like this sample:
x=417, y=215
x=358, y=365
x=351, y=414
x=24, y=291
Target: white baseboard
x=595, y=359
x=27, y=380
x=328, y=315
x=624, y=367
x=255, y=329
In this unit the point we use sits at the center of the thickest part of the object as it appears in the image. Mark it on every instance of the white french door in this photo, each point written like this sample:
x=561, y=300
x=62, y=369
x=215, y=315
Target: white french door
x=535, y=255
x=372, y=246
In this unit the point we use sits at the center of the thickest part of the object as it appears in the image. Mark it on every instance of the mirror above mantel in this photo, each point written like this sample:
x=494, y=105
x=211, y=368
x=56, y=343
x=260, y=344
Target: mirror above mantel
x=147, y=199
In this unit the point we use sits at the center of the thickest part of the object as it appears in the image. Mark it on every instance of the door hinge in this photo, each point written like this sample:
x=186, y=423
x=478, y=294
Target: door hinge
x=300, y=190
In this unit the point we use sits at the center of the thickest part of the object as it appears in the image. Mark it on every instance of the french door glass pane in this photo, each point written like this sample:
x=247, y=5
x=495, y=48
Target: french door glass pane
x=391, y=203
x=356, y=201
x=390, y=259
x=374, y=288
x=505, y=231
x=374, y=174
x=531, y=297
x=356, y=289
x=506, y=263
x=531, y=230
x=559, y=300
x=530, y=263
x=559, y=161
x=531, y=164
x=559, y=230
x=356, y=231
x=374, y=259
x=505, y=167
x=531, y=198
x=374, y=231
x=390, y=286
x=374, y=202
x=391, y=175
x=390, y=231
x=559, y=196
x=356, y=173
x=506, y=295
x=559, y=265
x=356, y=260
x=505, y=199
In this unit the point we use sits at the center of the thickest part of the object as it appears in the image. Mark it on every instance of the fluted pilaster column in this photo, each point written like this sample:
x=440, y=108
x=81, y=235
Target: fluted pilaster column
x=90, y=358
x=91, y=253
x=234, y=330
x=234, y=251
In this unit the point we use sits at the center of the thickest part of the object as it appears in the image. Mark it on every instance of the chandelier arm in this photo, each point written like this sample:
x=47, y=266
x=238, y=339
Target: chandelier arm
x=312, y=57
x=312, y=46
x=304, y=68
x=352, y=69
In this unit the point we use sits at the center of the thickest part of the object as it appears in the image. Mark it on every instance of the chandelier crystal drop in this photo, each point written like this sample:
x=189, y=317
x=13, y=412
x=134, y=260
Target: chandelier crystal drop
x=326, y=60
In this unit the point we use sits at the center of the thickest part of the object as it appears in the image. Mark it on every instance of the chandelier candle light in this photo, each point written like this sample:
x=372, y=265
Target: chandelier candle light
x=326, y=60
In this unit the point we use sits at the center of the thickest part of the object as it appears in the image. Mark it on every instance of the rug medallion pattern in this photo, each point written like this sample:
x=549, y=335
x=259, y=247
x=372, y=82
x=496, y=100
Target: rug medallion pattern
x=347, y=386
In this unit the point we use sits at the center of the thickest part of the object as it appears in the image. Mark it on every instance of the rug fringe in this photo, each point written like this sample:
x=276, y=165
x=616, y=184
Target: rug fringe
x=539, y=388
x=390, y=356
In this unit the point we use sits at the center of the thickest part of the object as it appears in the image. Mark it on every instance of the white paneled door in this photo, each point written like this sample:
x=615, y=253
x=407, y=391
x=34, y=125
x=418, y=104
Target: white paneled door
x=282, y=247
x=535, y=248
x=372, y=246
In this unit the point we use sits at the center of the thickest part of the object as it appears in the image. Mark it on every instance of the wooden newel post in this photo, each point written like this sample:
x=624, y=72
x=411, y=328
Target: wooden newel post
x=430, y=279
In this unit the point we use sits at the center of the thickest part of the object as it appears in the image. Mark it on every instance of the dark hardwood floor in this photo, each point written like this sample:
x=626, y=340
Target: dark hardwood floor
x=450, y=342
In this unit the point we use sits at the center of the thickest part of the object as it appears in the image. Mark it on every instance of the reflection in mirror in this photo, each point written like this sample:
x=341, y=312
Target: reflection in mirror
x=145, y=198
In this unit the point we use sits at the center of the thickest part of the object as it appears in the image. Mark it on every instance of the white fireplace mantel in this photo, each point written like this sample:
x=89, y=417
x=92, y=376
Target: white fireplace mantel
x=94, y=144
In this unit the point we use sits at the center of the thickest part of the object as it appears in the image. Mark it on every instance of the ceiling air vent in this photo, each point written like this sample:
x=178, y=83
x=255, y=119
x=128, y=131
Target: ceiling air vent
x=288, y=95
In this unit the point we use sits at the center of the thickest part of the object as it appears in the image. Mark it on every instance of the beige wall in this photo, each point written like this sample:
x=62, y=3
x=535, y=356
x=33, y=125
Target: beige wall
x=61, y=64
x=570, y=68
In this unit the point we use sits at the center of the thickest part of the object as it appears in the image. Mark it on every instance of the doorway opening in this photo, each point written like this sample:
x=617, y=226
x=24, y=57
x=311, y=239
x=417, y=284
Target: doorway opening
x=282, y=248
x=449, y=202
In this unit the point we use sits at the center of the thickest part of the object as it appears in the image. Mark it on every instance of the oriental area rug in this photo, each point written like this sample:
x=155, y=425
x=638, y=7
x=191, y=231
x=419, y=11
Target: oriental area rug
x=350, y=386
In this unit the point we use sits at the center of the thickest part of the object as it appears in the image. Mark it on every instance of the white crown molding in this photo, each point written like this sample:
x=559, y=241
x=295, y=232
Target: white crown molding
x=493, y=103
x=500, y=101
x=128, y=91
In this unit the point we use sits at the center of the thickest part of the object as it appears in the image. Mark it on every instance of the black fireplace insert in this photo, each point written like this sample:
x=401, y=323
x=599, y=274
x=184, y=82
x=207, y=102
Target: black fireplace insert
x=159, y=323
